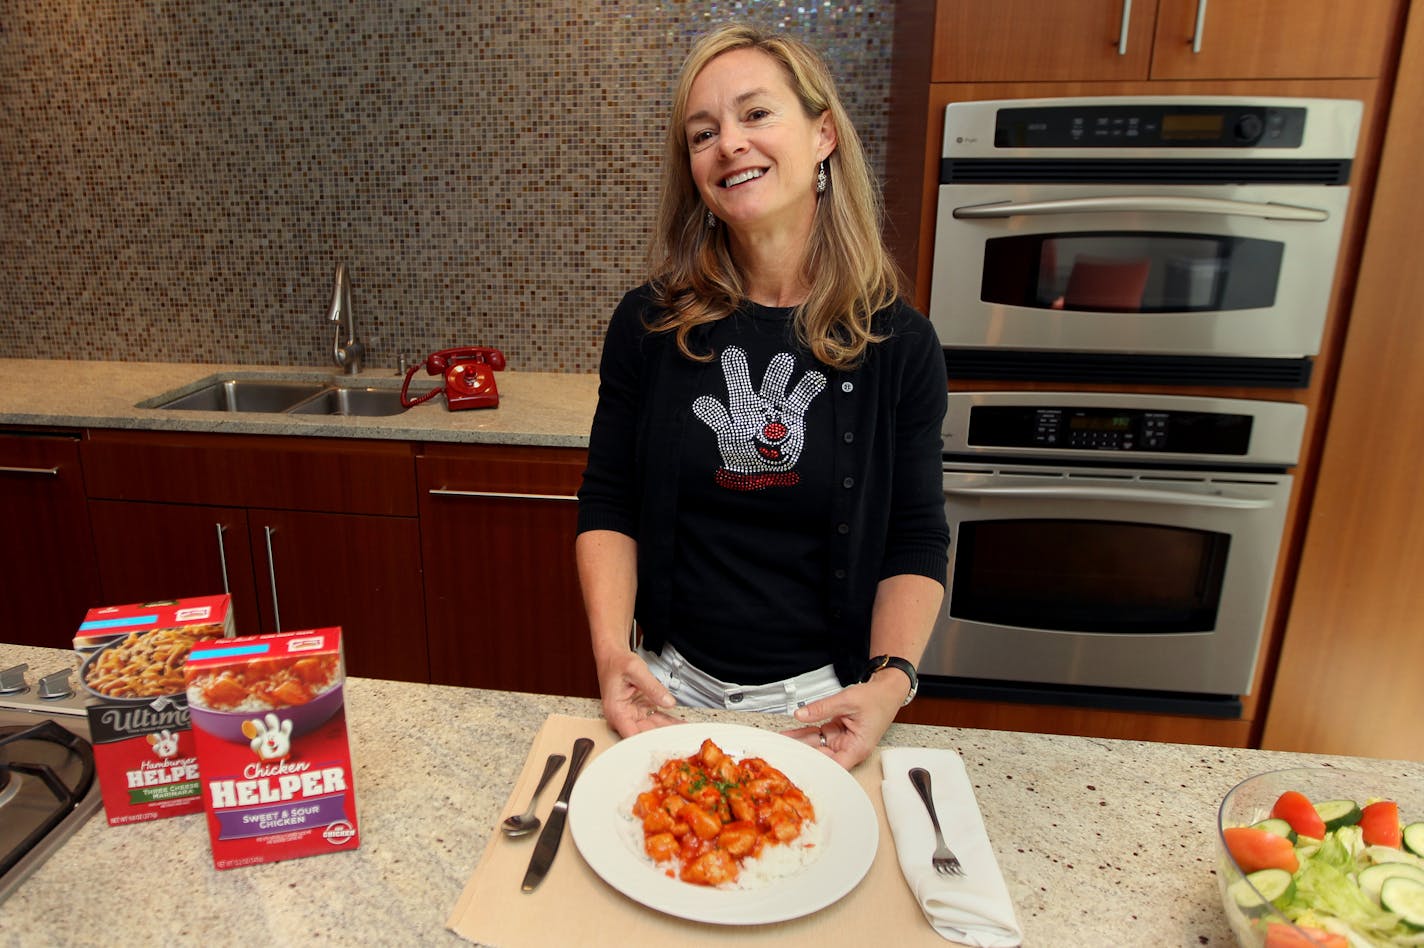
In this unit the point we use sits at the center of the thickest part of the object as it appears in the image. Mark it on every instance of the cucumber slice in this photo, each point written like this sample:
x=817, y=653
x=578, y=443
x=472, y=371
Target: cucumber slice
x=1278, y=826
x=1338, y=813
x=1405, y=898
x=1264, y=885
x=1372, y=878
x=1414, y=838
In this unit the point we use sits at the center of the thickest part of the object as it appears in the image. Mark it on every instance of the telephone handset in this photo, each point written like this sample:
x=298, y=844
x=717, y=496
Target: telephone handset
x=469, y=377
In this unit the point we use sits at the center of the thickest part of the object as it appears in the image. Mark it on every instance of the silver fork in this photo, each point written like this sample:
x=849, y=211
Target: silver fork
x=945, y=862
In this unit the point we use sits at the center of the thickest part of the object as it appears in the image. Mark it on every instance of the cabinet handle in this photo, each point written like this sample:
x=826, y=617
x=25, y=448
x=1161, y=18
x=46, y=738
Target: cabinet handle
x=272, y=573
x=1201, y=24
x=42, y=471
x=444, y=492
x=222, y=556
x=1122, y=30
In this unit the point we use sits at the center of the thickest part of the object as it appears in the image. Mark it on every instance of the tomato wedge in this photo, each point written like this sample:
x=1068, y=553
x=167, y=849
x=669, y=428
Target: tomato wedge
x=1380, y=824
x=1255, y=849
x=1297, y=810
x=1280, y=935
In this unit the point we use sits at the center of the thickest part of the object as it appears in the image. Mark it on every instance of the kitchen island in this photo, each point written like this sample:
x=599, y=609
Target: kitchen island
x=1101, y=842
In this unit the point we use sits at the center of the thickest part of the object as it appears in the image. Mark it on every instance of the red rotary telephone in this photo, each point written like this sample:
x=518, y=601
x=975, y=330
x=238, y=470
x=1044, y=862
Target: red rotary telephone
x=469, y=378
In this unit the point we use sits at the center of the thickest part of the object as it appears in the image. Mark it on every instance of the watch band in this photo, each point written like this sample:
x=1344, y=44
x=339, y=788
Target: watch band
x=881, y=662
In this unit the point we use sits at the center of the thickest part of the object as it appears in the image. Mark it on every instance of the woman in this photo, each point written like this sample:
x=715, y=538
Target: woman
x=763, y=491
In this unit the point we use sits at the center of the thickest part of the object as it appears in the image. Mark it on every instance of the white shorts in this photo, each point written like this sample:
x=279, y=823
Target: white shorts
x=694, y=688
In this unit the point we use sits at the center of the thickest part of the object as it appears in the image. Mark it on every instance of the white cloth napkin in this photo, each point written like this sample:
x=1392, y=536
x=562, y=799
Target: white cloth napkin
x=973, y=909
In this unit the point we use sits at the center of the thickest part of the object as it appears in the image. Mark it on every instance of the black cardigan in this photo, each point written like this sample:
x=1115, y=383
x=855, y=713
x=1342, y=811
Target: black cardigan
x=887, y=518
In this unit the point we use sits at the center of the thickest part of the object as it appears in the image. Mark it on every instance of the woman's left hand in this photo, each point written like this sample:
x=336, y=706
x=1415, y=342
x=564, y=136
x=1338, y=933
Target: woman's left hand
x=852, y=721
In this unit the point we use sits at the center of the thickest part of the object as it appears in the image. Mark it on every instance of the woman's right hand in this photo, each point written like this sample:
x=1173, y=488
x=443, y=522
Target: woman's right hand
x=633, y=699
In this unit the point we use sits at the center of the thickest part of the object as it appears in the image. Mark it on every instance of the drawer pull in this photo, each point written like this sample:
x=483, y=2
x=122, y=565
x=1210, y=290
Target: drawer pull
x=445, y=492
x=1200, y=27
x=222, y=556
x=42, y=471
x=272, y=572
x=1122, y=33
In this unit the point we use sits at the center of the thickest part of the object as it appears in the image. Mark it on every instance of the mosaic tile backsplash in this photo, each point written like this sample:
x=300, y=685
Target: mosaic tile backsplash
x=179, y=179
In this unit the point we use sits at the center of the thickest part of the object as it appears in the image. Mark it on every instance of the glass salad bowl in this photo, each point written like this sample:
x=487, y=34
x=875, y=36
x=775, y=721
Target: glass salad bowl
x=1328, y=896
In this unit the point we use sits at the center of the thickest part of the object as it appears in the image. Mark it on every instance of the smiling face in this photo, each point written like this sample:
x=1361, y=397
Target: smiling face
x=753, y=150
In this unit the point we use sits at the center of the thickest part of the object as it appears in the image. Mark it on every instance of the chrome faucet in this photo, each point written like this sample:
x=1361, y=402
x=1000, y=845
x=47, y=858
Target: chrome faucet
x=347, y=355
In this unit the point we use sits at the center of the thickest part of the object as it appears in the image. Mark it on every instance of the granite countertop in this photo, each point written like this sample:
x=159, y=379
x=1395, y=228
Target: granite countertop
x=536, y=408
x=1100, y=841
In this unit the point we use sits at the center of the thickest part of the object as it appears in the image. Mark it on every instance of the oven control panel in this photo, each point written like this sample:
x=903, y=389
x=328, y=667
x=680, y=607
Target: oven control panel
x=1109, y=429
x=1150, y=126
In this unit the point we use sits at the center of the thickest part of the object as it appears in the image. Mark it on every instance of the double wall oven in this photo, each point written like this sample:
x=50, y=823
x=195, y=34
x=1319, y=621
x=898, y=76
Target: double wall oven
x=1114, y=544
x=1123, y=544
x=1141, y=235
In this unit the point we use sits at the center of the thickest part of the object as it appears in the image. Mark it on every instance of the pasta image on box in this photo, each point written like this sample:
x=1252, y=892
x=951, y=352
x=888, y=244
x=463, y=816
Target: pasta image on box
x=269, y=718
x=132, y=667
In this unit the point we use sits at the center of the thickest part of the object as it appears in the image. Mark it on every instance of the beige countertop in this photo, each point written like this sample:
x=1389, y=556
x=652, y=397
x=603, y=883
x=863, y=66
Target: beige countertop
x=536, y=408
x=1101, y=842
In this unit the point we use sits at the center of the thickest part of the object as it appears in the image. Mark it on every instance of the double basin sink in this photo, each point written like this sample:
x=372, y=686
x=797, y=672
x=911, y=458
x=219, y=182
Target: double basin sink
x=325, y=396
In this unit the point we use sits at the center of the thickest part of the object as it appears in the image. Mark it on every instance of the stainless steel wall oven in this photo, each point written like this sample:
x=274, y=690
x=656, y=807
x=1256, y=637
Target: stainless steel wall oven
x=1179, y=239
x=1123, y=545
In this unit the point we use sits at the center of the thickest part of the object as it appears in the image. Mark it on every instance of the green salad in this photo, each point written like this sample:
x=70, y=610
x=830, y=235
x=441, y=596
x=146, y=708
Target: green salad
x=1346, y=876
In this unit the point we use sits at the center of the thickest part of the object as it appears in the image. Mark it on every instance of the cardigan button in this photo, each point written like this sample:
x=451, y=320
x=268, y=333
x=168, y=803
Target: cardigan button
x=843, y=528
x=840, y=574
x=848, y=483
x=848, y=437
x=847, y=387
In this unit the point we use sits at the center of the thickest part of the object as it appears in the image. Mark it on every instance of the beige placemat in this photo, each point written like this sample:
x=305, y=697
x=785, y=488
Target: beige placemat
x=573, y=906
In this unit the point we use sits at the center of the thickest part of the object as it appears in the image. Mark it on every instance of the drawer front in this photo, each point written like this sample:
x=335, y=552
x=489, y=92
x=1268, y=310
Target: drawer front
x=337, y=476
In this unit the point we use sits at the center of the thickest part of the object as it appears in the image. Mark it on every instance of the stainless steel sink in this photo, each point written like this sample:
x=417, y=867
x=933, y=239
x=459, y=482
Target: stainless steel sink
x=318, y=396
x=266, y=395
x=352, y=401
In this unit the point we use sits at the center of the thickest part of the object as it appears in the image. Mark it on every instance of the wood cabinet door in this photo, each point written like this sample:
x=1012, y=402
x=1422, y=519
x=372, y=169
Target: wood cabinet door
x=357, y=571
x=1041, y=40
x=1275, y=39
x=47, y=574
x=150, y=551
x=502, y=594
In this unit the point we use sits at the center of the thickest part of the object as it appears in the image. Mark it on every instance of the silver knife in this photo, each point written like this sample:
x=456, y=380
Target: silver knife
x=553, y=833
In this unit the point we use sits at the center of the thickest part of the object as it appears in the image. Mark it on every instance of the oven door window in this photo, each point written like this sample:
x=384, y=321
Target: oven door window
x=1132, y=272
x=1088, y=576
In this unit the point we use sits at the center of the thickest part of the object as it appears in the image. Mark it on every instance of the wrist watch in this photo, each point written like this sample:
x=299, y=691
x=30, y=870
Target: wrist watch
x=880, y=662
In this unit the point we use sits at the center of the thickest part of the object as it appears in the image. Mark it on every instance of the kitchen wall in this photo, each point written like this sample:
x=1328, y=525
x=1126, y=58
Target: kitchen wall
x=178, y=179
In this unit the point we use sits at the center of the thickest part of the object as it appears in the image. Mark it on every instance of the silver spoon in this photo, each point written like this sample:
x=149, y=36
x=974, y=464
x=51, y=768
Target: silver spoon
x=525, y=823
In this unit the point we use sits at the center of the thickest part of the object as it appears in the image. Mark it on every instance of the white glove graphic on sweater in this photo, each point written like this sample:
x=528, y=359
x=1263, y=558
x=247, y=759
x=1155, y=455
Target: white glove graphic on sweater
x=760, y=434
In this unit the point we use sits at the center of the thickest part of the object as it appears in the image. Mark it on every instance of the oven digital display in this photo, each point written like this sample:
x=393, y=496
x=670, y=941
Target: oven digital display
x=1191, y=127
x=1100, y=423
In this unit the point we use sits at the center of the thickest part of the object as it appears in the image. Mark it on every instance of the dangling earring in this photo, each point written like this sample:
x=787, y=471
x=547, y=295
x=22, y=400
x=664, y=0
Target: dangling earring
x=821, y=178
x=711, y=220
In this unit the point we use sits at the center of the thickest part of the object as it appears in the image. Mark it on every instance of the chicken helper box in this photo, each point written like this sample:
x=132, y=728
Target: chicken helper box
x=269, y=719
x=132, y=667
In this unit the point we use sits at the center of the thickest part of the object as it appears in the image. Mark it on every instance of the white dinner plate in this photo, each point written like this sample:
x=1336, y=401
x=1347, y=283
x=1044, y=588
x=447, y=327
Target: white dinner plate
x=600, y=818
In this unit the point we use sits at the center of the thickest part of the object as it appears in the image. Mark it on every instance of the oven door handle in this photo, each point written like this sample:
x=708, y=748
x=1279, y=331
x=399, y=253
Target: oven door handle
x=1129, y=494
x=1145, y=204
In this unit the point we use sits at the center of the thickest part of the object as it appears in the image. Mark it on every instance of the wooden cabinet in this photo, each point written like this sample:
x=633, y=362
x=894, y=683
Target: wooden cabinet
x=47, y=572
x=502, y=598
x=1052, y=41
x=1348, y=677
x=304, y=532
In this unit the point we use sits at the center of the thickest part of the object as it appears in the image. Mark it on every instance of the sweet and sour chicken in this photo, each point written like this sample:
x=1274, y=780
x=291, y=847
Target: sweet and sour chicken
x=708, y=812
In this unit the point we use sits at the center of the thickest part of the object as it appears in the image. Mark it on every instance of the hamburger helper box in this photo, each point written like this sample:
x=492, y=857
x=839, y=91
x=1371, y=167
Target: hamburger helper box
x=270, y=722
x=132, y=667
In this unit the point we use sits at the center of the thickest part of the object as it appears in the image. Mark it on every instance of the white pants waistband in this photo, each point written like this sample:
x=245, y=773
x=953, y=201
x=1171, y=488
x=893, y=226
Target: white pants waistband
x=694, y=688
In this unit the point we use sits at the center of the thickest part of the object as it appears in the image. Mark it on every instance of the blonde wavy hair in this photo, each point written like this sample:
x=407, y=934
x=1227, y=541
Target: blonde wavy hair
x=850, y=273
